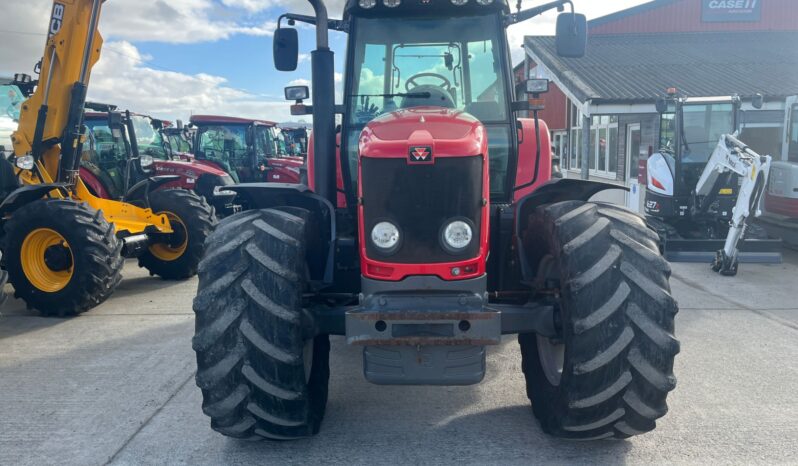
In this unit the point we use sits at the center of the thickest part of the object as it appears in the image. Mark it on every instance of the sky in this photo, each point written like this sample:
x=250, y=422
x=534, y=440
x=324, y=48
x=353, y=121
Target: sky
x=174, y=58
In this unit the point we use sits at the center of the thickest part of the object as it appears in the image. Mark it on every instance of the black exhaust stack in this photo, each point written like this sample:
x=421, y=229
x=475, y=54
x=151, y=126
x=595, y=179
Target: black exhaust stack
x=323, y=98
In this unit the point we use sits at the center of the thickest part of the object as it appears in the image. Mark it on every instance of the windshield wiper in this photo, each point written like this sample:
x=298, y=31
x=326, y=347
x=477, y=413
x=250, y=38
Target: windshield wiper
x=415, y=95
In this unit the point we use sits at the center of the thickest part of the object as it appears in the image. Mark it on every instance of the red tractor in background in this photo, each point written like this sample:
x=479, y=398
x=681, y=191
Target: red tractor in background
x=143, y=141
x=180, y=139
x=249, y=150
x=296, y=140
x=431, y=227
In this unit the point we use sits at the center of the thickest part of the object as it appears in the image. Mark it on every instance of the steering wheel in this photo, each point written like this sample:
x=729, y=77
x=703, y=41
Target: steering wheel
x=445, y=84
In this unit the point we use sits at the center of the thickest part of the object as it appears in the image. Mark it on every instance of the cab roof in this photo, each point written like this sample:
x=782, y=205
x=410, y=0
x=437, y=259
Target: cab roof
x=424, y=8
x=216, y=119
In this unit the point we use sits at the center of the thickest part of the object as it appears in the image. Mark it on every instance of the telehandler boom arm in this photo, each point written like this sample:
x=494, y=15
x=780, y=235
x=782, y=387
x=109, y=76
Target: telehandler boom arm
x=51, y=119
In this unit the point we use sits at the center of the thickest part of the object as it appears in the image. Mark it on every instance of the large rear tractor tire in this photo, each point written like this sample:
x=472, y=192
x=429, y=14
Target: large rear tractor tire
x=192, y=219
x=62, y=257
x=609, y=373
x=262, y=372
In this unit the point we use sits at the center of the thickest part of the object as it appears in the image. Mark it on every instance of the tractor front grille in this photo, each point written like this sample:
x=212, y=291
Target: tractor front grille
x=420, y=199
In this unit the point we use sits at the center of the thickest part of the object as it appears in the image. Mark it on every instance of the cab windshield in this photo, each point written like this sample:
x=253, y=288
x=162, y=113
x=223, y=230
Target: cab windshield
x=703, y=125
x=228, y=146
x=11, y=99
x=149, y=140
x=459, y=63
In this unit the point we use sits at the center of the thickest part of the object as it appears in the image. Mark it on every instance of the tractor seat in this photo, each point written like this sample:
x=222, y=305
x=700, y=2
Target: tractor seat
x=485, y=111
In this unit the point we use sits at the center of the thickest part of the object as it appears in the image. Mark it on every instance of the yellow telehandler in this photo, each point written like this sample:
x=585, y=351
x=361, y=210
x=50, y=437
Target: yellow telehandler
x=62, y=246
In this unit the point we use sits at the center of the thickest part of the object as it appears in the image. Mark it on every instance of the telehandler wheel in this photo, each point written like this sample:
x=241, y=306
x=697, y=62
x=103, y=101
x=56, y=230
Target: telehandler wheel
x=63, y=257
x=193, y=220
x=609, y=373
x=261, y=371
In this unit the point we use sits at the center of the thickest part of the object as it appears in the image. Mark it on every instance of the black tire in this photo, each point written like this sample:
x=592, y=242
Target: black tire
x=617, y=318
x=197, y=220
x=3, y=280
x=95, y=256
x=252, y=334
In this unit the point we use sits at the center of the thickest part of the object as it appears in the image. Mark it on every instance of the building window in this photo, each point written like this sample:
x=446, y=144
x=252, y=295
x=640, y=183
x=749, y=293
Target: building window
x=575, y=147
x=604, y=145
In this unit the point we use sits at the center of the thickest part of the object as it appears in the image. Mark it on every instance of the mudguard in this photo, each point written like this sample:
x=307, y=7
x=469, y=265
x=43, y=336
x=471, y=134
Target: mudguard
x=267, y=195
x=556, y=190
x=29, y=193
x=141, y=190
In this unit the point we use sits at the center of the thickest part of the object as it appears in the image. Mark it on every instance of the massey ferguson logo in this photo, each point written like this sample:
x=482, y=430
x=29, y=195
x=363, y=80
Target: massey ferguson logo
x=56, y=20
x=420, y=154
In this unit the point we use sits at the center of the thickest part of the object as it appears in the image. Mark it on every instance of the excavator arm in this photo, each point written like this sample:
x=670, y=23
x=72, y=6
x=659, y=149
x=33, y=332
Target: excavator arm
x=731, y=156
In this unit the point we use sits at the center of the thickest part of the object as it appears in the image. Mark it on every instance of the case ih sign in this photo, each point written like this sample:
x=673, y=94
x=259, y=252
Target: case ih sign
x=731, y=10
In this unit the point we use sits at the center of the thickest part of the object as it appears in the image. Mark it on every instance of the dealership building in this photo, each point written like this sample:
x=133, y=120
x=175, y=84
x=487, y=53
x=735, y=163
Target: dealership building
x=702, y=48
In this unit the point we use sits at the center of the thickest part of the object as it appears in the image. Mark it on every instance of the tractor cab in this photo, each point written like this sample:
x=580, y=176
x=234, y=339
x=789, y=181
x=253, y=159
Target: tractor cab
x=11, y=98
x=249, y=150
x=296, y=140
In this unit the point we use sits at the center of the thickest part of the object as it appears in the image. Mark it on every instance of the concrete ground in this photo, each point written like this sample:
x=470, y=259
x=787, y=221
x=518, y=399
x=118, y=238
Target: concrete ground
x=116, y=385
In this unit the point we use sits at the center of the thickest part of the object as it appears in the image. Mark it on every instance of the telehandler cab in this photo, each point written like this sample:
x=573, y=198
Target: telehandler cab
x=439, y=231
x=63, y=246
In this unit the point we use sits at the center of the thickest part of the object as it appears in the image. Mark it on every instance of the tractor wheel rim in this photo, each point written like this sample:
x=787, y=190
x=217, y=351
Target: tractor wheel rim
x=552, y=359
x=550, y=352
x=307, y=359
x=34, y=263
x=164, y=251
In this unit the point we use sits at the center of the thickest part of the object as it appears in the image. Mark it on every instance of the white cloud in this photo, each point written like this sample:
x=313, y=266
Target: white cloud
x=124, y=79
x=299, y=82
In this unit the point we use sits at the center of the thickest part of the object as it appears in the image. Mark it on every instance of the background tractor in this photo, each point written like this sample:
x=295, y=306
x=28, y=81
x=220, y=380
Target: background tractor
x=249, y=150
x=63, y=246
x=431, y=229
x=138, y=152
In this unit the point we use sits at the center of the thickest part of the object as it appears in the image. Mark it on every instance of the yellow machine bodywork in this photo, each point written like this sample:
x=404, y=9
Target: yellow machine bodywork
x=62, y=66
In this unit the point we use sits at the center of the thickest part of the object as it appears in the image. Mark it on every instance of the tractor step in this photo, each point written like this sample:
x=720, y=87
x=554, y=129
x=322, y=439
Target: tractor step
x=752, y=251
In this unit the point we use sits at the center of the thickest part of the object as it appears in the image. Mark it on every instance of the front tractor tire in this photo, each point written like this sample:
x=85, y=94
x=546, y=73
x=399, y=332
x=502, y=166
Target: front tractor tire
x=262, y=372
x=178, y=256
x=62, y=257
x=609, y=373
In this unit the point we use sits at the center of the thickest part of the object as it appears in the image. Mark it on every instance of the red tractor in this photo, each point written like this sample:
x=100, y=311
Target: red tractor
x=249, y=150
x=449, y=233
x=296, y=140
x=112, y=173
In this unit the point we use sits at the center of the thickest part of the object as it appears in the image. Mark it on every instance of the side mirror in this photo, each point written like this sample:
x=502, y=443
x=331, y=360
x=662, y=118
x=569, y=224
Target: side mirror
x=297, y=93
x=757, y=101
x=537, y=86
x=179, y=124
x=249, y=137
x=156, y=124
x=286, y=49
x=661, y=105
x=115, y=120
x=571, y=37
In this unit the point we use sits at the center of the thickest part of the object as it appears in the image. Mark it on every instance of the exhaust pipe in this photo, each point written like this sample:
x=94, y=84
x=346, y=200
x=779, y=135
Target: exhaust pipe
x=323, y=98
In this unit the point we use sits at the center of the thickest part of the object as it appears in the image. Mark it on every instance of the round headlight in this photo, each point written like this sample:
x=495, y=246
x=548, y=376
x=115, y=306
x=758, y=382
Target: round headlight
x=25, y=162
x=392, y=3
x=385, y=236
x=367, y=4
x=145, y=160
x=484, y=2
x=457, y=235
x=459, y=2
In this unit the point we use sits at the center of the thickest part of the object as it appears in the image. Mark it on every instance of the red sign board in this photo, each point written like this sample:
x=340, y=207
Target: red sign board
x=730, y=11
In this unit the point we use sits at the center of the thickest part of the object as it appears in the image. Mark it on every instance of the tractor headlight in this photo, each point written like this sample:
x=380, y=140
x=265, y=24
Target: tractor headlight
x=484, y=2
x=367, y=4
x=456, y=236
x=392, y=3
x=25, y=162
x=459, y=2
x=145, y=161
x=385, y=235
